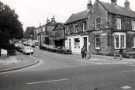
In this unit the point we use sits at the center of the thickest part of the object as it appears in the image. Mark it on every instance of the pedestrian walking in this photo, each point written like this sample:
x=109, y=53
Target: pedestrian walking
x=83, y=52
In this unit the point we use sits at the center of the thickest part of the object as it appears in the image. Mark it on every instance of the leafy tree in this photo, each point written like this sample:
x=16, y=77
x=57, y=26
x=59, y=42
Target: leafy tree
x=29, y=33
x=10, y=26
x=9, y=23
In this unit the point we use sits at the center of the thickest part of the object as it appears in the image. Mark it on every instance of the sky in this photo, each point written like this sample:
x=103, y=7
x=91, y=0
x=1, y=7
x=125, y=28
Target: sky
x=35, y=12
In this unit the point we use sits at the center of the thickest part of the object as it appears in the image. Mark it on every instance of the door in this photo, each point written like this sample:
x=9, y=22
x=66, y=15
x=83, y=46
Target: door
x=85, y=42
x=70, y=44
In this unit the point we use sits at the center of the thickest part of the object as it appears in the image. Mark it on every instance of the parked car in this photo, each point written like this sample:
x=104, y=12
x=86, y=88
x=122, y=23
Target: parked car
x=129, y=54
x=27, y=50
x=19, y=46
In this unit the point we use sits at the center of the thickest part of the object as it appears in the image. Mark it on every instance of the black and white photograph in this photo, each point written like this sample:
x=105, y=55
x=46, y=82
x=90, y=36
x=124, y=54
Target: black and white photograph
x=67, y=44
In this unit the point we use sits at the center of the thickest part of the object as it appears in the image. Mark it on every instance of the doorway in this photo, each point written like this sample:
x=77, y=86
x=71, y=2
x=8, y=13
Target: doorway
x=85, y=42
x=70, y=44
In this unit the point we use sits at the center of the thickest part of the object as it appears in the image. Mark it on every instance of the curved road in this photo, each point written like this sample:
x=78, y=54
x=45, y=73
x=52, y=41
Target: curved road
x=66, y=72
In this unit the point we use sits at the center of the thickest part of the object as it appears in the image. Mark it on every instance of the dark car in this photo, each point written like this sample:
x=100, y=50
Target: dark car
x=129, y=54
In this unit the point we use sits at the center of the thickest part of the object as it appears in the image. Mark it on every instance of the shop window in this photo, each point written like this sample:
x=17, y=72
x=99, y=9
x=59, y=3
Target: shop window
x=119, y=40
x=76, y=43
x=97, y=42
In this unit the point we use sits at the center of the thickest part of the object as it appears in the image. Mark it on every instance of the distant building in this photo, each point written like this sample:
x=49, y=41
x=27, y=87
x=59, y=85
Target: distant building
x=111, y=27
x=39, y=34
x=52, y=33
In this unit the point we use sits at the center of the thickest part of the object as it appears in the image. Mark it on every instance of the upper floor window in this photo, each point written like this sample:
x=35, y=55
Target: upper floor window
x=66, y=30
x=134, y=42
x=84, y=26
x=98, y=22
x=118, y=23
x=76, y=28
x=133, y=25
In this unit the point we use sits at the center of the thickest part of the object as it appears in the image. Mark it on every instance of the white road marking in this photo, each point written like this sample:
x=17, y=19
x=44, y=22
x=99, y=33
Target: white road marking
x=49, y=81
x=126, y=87
x=128, y=71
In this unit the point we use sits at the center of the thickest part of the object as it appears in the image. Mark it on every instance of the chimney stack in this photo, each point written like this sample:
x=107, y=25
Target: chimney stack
x=127, y=4
x=114, y=2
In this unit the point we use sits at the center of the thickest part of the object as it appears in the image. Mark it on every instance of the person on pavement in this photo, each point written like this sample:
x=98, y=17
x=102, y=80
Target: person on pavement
x=83, y=52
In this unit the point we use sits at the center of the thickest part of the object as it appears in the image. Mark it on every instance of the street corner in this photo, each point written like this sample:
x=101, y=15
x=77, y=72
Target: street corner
x=16, y=63
x=9, y=60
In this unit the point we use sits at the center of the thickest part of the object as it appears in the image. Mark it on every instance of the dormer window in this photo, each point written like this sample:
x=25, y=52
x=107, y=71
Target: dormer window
x=118, y=23
x=133, y=25
x=98, y=22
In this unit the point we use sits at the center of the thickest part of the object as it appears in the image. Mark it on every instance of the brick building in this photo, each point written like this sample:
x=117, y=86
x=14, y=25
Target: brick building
x=76, y=31
x=111, y=27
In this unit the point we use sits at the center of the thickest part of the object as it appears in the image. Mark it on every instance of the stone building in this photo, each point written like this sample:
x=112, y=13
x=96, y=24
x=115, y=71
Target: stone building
x=111, y=27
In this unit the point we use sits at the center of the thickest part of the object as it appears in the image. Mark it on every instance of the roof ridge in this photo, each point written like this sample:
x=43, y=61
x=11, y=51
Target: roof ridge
x=109, y=7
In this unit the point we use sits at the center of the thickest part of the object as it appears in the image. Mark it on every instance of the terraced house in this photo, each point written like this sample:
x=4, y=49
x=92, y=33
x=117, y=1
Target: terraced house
x=111, y=27
x=76, y=31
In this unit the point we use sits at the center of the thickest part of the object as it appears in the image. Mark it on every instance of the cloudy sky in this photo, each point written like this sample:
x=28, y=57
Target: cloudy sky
x=35, y=12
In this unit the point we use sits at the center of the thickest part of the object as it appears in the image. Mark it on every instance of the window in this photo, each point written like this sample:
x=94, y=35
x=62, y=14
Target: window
x=84, y=26
x=119, y=40
x=134, y=42
x=97, y=42
x=118, y=23
x=76, y=28
x=133, y=25
x=98, y=23
x=76, y=43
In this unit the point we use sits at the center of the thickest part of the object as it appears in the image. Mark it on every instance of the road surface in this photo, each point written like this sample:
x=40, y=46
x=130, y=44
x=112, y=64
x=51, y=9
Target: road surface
x=66, y=72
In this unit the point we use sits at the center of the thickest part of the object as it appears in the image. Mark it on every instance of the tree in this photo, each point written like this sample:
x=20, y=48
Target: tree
x=29, y=33
x=10, y=26
x=9, y=22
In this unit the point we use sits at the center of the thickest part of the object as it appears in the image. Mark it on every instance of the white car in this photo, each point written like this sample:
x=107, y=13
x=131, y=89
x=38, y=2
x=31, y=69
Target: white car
x=27, y=50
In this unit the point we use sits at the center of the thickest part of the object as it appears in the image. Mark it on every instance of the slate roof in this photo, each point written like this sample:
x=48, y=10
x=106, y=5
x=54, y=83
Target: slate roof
x=77, y=16
x=116, y=9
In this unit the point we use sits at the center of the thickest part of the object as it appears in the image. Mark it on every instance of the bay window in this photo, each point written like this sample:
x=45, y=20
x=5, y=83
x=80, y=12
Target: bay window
x=119, y=40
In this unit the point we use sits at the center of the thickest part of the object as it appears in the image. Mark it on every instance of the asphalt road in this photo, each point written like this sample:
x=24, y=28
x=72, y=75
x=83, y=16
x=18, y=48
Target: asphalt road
x=66, y=72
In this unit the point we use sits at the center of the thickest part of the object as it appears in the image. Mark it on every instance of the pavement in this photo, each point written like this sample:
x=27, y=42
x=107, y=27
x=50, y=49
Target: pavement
x=100, y=59
x=16, y=62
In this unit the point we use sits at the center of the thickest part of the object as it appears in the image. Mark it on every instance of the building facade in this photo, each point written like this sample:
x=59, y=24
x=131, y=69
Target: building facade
x=39, y=34
x=111, y=27
x=77, y=32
